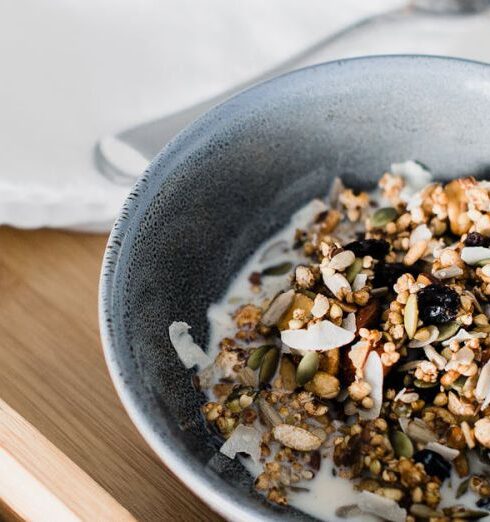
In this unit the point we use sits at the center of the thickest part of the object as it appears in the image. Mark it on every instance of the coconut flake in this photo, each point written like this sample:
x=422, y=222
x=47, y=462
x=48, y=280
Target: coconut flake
x=435, y=357
x=399, y=394
x=188, y=351
x=359, y=282
x=244, y=439
x=383, y=507
x=320, y=306
x=473, y=255
x=404, y=422
x=433, y=335
x=278, y=307
x=358, y=354
x=335, y=283
x=463, y=357
x=349, y=322
x=482, y=390
x=323, y=335
x=463, y=335
x=306, y=215
x=444, y=451
x=416, y=178
x=420, y=233
x=373, y=375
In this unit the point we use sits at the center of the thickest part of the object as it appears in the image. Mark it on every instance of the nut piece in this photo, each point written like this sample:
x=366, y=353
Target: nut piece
x=482, y=431
x=296, y=438
x=457, y=206
x=324, y=385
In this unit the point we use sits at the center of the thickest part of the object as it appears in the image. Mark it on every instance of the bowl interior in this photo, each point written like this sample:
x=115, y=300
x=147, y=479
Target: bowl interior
x=228, y=182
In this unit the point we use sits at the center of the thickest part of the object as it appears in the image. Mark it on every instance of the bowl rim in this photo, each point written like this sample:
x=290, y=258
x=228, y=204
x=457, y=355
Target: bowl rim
x=179, y=467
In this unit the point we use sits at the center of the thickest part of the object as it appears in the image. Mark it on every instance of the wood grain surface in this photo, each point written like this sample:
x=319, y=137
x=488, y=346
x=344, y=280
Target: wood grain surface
x=52, y=371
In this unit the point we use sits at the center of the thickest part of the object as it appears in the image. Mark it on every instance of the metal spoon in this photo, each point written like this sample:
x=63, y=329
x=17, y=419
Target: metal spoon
x=124, y=156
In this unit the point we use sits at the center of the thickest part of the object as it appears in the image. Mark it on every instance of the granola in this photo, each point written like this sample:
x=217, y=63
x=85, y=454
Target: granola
x=374, y=351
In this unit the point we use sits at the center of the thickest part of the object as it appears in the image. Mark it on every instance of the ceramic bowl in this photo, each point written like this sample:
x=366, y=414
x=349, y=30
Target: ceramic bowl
x=223, y=186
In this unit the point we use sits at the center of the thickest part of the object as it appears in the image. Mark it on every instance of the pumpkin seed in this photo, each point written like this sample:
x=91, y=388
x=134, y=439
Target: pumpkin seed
x=268, y=366
x=257, y=355
x=352, y=510
x=402, y=444
x=383, y=216
x=422, y=384
x=447, y=330
x=307, y=368
x=287, y=370
x=353, y=270
x=277, y=270
x=423, y=511
x=463, y=487
x=411, y=317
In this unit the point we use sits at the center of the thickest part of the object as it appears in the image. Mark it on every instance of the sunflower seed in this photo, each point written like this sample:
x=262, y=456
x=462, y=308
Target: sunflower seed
x=296, y=438
x=268, y=365
x=423, y=511
x=257, y=355
x=353, y=270
x=424, y=336
x=307, y=368
x=447, y=273
x=467, y=514
x=277, y=270
x=271, y=416
x=342, y=260
x=402, y=444
x=383, y=216
x=349, y=511
x=411, y=317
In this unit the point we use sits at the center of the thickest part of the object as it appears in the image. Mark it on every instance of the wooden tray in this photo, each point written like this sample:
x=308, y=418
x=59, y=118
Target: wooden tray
x=63, y=432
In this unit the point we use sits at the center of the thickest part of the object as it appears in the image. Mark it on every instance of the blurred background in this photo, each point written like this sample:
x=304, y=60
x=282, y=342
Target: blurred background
x=75, y=72
x=90, y=91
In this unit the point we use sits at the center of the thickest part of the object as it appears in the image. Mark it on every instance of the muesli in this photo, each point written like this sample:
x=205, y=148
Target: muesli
x=356, y=344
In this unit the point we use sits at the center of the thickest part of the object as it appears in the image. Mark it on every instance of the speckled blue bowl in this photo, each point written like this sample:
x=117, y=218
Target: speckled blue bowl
x=228, y=182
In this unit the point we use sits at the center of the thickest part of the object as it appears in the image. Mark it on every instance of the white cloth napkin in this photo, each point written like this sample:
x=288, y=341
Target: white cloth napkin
x=73, y=71
x=76, y=70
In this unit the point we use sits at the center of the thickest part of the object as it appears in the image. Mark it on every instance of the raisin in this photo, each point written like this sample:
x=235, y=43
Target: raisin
x=376, y=248
x=437, y=304
x=435, y=465
x=474, y=239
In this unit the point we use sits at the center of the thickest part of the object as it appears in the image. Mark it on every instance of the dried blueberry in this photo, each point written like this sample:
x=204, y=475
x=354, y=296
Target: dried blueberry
x=474, y=239
x=437, y=304
x=386, y=274
x=435, y=465
x=483, y=503
x=377, y=248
